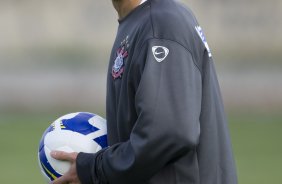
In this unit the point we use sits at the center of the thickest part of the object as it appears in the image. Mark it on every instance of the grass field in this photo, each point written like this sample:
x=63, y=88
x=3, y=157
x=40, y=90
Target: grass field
x=257, y=148
x=256, y=142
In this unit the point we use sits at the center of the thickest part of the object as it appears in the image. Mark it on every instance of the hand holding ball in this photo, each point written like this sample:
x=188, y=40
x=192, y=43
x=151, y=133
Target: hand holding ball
x=75, y=132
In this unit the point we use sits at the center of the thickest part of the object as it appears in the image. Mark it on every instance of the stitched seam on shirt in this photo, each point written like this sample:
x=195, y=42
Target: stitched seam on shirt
x=155, y=37
x=193, y=58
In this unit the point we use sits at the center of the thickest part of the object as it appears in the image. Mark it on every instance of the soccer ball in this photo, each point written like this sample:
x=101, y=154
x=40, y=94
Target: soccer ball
x=75, y=132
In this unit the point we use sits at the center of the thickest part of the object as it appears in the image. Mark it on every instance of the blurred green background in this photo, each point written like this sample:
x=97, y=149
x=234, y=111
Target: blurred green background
x=54, y=57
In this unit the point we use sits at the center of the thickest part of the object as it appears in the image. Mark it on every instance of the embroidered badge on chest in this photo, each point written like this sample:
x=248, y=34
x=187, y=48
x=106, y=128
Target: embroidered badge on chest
x=119, y=62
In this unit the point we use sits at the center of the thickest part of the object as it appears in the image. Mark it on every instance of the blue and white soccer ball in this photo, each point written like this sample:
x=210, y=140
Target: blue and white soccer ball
x=75, y=132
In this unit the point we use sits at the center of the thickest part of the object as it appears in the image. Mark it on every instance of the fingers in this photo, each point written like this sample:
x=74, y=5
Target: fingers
x=71, y=176
x=61, y=180
x=66, y=179
x=64, y=156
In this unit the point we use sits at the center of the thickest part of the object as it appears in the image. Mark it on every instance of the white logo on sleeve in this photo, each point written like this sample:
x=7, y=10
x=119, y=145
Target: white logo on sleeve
x=203, y=37
x=160, y=53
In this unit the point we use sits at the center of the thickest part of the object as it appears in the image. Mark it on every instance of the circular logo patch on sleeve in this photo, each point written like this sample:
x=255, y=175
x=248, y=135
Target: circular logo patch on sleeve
x=160, y=53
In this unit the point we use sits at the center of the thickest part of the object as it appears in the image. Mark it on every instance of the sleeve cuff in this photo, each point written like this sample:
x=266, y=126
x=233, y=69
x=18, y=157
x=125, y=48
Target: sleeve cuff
x=89, y=168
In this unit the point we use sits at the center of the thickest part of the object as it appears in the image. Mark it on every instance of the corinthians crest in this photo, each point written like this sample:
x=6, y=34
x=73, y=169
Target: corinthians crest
x=118, y=67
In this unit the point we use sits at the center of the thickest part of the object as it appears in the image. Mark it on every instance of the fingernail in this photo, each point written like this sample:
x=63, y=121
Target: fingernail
x=53, y=153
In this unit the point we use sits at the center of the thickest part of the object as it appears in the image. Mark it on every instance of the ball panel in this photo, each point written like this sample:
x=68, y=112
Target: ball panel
x=102, y=141
x=56, y=139
x=60, y=167
x=79, y=123
x=100, y=136
x=88, y=146
x=45, y=166
x=48, y=130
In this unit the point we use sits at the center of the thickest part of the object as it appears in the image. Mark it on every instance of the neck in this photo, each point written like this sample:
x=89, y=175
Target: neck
x=124, y=7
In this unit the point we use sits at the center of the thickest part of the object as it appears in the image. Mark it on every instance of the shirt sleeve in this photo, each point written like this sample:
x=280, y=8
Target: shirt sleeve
x=168, y=104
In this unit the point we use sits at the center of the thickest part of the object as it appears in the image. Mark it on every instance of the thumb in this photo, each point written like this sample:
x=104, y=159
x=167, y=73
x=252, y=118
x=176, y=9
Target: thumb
x=64, y=156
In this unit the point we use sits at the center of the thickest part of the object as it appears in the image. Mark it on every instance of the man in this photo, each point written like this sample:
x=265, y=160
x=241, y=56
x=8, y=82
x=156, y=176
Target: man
x=166, y=122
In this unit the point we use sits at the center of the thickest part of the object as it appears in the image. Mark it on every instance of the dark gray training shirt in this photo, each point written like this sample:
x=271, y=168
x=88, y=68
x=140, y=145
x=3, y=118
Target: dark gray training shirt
x=166, y=122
